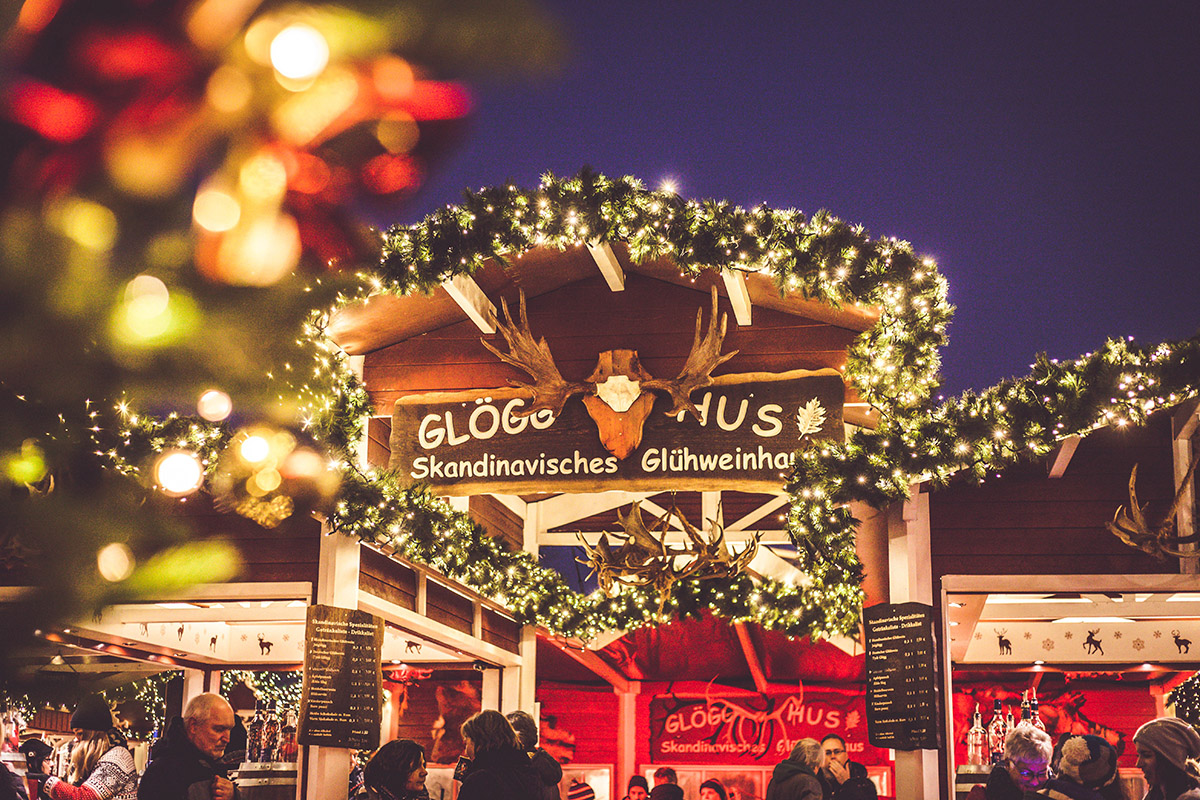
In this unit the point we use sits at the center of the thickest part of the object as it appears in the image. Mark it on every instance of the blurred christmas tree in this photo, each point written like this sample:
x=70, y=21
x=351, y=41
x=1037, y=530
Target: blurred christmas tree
x=184, y=182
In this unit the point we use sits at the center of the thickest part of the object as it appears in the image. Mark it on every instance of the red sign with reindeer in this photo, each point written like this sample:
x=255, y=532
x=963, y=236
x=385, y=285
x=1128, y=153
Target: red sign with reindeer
x=756, y=729
x=726, y=432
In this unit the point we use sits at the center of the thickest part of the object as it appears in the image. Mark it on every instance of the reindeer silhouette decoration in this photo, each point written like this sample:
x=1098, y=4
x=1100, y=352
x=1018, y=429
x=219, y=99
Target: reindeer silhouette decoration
x=264, y=646
x=1005, y=644
x=1092, y=644
x=1183, y=645
x=180, y=631
x=212, y=644
x=412, y=647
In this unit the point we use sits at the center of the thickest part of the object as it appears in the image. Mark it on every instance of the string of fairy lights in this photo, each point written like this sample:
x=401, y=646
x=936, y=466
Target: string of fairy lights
x=893, y=366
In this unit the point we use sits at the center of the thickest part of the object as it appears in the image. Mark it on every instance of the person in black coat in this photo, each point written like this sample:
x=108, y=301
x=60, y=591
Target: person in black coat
x=549, y=770
x=795, y=778
x=186, y=762
x=841, y=778
x=499, y=770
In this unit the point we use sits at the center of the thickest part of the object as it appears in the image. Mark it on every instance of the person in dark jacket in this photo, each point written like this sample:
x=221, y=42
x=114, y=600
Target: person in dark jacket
x=637, y=789
x=499, y=770
x=549, y=770
x=795, y=778
x=841, y=778
x=1085, y=768
x=1025, y=769
x=186, y=763
x=666, y=785
x=1167, y=750
x=396, y=772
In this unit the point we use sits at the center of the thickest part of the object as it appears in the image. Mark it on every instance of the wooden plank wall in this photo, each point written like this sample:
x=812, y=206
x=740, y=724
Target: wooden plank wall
x=1029, y=523
x=586, y=714
x=500, y=631
x=583, y=319
x=388, y=579
x=498, y=520
x=448, y=607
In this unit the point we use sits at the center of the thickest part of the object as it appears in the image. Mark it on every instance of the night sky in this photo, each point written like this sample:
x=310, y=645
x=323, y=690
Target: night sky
x=1046, y=154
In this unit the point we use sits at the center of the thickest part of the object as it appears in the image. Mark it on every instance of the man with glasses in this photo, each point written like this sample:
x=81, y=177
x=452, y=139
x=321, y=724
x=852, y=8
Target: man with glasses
x=841, y=778
x=1024, y=770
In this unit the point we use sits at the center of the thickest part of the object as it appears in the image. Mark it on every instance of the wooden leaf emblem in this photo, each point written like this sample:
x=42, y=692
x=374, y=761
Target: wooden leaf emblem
x=810, y=417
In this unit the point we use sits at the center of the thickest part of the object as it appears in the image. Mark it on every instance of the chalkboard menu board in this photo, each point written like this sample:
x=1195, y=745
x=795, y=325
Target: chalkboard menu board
x=342, y=692
x=902, y=686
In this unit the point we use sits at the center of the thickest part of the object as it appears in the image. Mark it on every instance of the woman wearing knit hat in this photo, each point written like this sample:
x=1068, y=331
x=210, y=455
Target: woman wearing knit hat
x=712, y=789
x=1085, y=768
x=1166, y=751
x=101, y=764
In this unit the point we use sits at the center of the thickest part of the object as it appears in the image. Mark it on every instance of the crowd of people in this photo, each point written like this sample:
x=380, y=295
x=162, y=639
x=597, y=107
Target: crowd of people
x=502, y=761
x=1085, y=767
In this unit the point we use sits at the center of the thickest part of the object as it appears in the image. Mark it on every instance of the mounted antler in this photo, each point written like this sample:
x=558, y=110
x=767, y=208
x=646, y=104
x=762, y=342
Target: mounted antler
x=701, y=361
x=644, y=559
x=549, y=390
x=1159, y=539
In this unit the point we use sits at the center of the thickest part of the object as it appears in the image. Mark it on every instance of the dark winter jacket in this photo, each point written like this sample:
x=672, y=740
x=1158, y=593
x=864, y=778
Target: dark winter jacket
x=12, y=785
x=504, y=774
x=549, y=771
x=792, y=780
x=666, y=791
x=1001, y=786
x=857, y=787
x=177, y=770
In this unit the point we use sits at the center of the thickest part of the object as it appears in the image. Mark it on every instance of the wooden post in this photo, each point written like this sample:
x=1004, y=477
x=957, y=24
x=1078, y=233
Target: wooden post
x=910, y=579
x=1184, y=428
x=327, y=769
x=626, y=735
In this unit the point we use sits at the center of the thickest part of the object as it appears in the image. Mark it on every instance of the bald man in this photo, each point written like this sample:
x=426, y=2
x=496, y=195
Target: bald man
x=186, y=763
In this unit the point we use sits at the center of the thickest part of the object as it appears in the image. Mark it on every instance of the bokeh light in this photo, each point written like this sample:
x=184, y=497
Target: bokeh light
x=299, y=52
x=255, y=449
x=215, y=210
x=178, y=472
x=88, y=224
x=115, y=562
x=229, y=89
x=214, y=405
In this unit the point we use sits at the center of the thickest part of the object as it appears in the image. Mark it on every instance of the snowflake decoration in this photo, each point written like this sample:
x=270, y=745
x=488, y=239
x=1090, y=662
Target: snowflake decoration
x=162, y=629
x=978, y=635
x=1158, y=634
x=1138, y=644
x=245, y=637
x=1116, y=634
x=1028, y=635
x=1067, y=635
x=1047, y=644
x=287, y=636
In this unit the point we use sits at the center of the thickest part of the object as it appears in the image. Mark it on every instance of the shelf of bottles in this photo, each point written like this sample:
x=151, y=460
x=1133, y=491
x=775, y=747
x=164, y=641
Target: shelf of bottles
x=271, y=735
x=985, y=746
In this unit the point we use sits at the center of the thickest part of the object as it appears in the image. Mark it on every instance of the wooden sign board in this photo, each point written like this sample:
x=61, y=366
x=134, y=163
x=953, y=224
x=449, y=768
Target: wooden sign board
x=902, y=685
x=341, y=698
x=464, y=443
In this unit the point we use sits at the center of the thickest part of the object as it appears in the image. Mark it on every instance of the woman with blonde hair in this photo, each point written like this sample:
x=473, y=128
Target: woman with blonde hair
x=101, y=765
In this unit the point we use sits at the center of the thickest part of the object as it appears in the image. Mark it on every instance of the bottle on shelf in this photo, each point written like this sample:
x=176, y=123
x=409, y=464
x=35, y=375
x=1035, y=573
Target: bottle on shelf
x=977, y=752
x=254, y=735
x=996, y=733
x=1034, y=718
x=1009, y=722
x=1025, y=707
x=270, y=735
x=287, y=737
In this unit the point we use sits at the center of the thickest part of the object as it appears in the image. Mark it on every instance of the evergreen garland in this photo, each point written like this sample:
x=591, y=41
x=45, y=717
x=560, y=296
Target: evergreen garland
x=893, y=366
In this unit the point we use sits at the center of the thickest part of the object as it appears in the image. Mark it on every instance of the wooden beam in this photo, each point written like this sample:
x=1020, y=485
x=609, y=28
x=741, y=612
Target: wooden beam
x=753, y=660
x=610, y=268
x=1062, y=456
x=596, y=665
x=739, y=295
x=475, y=304
x=762, y=511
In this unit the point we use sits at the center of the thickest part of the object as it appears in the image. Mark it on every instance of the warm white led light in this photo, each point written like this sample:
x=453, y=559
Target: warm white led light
x=178, y=472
